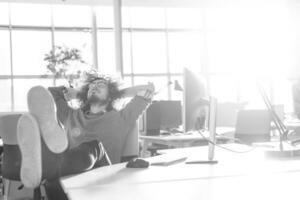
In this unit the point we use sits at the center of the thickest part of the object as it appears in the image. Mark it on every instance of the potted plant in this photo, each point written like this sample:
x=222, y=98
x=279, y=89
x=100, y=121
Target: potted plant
x=65, y=62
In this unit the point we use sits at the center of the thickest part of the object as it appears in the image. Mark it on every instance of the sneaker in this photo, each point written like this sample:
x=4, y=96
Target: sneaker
x=29, y=141
x=42, y=106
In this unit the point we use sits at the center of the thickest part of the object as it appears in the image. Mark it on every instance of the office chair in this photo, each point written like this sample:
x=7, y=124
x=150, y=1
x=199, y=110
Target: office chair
x=131, y=146
x=253, y=126
x=12, y=161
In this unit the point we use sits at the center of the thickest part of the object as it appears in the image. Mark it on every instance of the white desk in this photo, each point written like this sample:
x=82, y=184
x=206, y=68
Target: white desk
x=236, y=176
x=185, y=140
x=273, y=187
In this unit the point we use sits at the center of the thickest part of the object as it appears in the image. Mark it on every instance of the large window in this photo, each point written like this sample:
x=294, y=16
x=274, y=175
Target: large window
x=5, y=61
x=157, y=44
x=185, y=50
x=30, y=15
x=72, y=16
x=4, y=17
x=243, y=49
x=149, y=53
x=28, y=53
x=230, y=45
x=147, y=18
x=106, y=52
x=76, y=39
x=26, y=38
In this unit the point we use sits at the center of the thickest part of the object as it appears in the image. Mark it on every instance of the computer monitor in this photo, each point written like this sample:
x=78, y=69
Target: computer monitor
x=195, y=101
x=163, y=115
x=170, y=114
x=199, y=110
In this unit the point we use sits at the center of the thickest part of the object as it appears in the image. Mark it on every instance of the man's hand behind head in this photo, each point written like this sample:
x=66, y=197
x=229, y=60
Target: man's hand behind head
x=147, y=91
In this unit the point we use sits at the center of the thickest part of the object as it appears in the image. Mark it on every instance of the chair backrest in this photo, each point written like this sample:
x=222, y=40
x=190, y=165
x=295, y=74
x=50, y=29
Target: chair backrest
x=253, y=126
x=131, y=147
x=8, y=128
x=11, y=153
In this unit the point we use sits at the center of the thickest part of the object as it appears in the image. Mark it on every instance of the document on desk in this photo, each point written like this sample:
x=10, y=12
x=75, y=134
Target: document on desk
x=167, y=159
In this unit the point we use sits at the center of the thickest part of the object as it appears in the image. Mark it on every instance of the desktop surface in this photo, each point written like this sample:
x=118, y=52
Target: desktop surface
x=236, y=176
x=233, y=188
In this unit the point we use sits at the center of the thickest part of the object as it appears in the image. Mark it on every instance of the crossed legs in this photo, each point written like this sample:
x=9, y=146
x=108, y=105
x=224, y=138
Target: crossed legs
x=40, y=121
x=43, y=144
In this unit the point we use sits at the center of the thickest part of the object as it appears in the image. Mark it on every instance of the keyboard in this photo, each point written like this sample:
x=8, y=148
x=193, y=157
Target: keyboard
x=167, y=159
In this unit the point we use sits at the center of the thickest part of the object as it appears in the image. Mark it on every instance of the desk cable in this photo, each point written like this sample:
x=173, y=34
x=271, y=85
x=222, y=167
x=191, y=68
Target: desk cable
x=234, y=151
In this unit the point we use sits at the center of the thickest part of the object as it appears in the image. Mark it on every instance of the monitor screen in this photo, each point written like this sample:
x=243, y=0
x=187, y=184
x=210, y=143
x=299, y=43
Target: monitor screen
x=195, y=101
x=163, y=115
x=170, y=114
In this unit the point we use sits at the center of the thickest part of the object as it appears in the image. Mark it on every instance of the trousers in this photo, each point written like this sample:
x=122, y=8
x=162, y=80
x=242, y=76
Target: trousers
x=86, y=156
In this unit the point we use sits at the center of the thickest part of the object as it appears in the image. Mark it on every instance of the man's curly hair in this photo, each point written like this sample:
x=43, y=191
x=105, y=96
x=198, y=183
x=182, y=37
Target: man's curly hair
x=113, y=89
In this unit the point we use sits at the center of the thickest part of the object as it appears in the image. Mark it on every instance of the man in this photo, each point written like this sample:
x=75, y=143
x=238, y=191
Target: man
x=77, y=147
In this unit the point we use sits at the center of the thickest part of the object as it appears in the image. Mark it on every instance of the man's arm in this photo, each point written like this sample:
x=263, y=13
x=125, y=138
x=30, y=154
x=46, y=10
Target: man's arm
x=62, y=106
x=143, y=95
x=135, y=90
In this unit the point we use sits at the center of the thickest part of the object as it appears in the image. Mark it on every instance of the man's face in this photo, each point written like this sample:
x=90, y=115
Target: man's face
x=98, y=92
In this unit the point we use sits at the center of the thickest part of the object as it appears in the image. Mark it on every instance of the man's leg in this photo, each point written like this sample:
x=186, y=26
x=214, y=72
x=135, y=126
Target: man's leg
x=84, y=157
x=37, y=161
x=30, y=146
x=54, y=190
x=80, y=159
x=52, y=164
x=42, y=106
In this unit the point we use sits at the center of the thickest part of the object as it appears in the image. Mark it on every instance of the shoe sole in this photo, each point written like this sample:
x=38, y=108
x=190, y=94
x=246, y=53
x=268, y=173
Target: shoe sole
x=42, y=106
x=29, y=142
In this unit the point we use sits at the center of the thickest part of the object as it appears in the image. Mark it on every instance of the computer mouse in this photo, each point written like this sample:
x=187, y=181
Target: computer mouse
x=137, y=163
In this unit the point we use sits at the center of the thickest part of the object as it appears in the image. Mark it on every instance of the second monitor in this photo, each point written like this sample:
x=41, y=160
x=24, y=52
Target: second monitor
x=196, y=101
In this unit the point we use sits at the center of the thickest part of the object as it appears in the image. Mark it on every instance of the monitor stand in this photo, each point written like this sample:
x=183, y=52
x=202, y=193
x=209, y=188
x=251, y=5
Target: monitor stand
x=212, y=134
